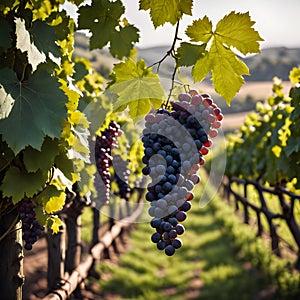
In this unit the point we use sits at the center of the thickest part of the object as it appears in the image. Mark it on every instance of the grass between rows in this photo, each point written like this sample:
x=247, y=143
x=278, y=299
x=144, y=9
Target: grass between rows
x=208, y=266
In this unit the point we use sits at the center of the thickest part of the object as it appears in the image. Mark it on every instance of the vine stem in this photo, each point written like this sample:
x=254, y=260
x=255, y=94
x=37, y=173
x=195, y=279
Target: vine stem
x=170, y=52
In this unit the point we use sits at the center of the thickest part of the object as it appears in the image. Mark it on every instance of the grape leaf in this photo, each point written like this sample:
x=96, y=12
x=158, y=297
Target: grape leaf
x=55, y=200
x=77, y=2
x=28, y=184
x=188, y=54
x=202, y=67
x=5, y=33
x=234, y=30
x=6, y=103
x=38, y=110
x=102, y=19
x=6, y=156
x=227, y=71
x=48, y=46
x=44, y=159
x=35, y=57
x=55, y=224
x=136, y=86
x=164, y=11
x=64, y=164
x=200, y=30
x=122, y=41
x=293, y=145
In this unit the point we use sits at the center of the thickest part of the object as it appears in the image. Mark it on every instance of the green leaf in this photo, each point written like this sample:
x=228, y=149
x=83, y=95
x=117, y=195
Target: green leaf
x=40, y=215
x=122, y=41
x=293, y=146
x=48, y=45
x=5, y=33
x=38, y=110
x=136, y=86
x=164, y=11
x=44, y=159
x=64, y=164
x=80, y=70
x=6, y=103
x=101, y=18
x=236, y=30
x=202, y=67
x=200, y=30
x=18, y=184
x=227, y=71
x=188, y=54
x=6, y=156
x=50, y=191
x=35, y=57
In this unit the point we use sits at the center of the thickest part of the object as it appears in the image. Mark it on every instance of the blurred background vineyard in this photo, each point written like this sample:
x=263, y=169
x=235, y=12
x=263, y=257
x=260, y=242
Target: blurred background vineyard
x=221, y=257
x=272, y=62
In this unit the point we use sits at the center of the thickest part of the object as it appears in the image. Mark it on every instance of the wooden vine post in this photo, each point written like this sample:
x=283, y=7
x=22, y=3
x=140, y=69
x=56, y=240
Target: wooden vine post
x=11, y=253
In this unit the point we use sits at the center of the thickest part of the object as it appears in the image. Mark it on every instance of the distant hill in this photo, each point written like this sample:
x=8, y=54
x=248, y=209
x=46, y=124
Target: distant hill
x=263, y=67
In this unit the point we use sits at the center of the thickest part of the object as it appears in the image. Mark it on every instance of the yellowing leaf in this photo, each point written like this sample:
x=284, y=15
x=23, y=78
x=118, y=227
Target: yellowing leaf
x=295, y=75
x=55, y=203
x=276, y=150
x=200, y=30
x=164, y=11
x=56, y=223
x=236, y=30
x=285, y=132
x=227, y=71
x=137, y=87
x=202, y=67
x=77, y=117
x=233, y=31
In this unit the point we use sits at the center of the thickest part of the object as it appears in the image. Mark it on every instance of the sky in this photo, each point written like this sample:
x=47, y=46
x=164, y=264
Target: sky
x=277, y=21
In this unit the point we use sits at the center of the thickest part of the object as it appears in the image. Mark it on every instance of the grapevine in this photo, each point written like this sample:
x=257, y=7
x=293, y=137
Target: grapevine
x=175, y=142
x=44, y=92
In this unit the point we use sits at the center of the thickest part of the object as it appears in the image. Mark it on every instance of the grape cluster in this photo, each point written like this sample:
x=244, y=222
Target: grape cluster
x=103, y=156
x=121, y=176
x=31, y=229
x=174, y=145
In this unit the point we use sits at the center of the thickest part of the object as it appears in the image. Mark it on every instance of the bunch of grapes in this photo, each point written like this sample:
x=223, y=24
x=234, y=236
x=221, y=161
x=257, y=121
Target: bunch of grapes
x=174, y=145
x=103, y=156
x=31, y=229
x=121, y=176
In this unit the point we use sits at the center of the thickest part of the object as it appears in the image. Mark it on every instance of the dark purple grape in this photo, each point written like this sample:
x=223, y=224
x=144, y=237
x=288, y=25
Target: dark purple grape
x=177, y=243
x=31, y=229
x=156, y=237
x=178, y=156
x=103, y=146
x=180, y=229
x=169, y=250
x=161, y=245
